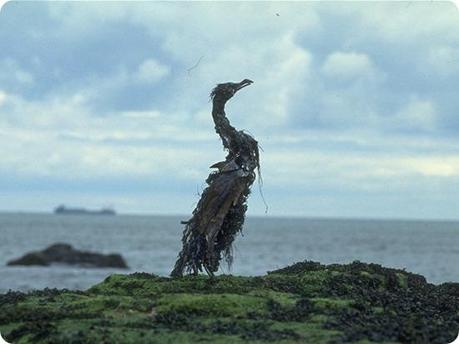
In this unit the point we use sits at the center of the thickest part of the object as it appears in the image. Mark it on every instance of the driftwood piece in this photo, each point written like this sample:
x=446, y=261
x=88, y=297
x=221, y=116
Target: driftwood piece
x=220, y=212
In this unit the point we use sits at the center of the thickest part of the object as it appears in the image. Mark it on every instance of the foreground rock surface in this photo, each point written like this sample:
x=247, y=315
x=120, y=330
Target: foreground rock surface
x=304, y=303
x=66, y=254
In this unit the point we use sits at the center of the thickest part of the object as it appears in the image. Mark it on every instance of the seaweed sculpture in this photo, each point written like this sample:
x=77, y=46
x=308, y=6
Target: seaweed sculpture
x=220, y=212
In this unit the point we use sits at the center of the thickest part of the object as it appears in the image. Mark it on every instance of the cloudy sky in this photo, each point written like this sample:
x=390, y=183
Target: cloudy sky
x=354, y=104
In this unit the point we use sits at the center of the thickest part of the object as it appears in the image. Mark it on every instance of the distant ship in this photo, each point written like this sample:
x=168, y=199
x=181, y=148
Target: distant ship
x=63, y=210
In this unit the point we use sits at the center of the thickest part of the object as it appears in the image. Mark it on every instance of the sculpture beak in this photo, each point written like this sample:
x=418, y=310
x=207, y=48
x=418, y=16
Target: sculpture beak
x=244, y=83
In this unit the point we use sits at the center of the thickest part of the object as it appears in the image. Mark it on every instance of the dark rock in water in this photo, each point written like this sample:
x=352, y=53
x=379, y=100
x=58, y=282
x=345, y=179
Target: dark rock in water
x=66, y=254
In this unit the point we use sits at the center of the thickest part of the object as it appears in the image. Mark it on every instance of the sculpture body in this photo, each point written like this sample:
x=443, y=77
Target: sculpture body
x=220, y=212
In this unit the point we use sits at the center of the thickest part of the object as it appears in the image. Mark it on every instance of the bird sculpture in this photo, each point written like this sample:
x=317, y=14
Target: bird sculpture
x=220, y=212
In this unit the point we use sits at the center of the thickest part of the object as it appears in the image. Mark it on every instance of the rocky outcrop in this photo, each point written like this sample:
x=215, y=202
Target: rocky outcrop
x=65, y=254
x=304, y=303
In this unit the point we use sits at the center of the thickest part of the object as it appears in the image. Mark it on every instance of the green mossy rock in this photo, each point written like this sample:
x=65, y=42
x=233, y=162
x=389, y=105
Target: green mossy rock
x=303, y=303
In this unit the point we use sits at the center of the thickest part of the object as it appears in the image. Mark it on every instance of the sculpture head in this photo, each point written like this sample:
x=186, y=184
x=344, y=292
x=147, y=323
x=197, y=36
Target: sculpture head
x=223, y=92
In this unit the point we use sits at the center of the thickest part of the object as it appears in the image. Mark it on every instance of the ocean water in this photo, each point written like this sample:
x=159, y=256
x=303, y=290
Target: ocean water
x=151, y=244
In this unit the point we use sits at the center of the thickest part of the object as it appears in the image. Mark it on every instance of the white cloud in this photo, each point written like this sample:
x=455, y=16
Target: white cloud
x=61, y=138
x=141, y=114
x=444, y=60
x=3, y=97
x=75, y=20
x=447, y=166
x=12, y=72
x=207, y=34
x=24, y=77
x=152, y=71
x=282, y=83
x=417, y=114
x=348, y=170
x=348, y=65
x=412, y=24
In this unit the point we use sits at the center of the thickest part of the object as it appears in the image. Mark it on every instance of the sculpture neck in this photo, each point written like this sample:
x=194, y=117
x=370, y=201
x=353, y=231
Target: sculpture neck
x=222, y=124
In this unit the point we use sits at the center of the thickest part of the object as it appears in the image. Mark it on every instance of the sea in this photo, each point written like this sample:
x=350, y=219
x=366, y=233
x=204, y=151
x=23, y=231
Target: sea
x=151, y=243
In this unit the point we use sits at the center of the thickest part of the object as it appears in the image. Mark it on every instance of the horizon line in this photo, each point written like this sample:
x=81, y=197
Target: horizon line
x=270, y=216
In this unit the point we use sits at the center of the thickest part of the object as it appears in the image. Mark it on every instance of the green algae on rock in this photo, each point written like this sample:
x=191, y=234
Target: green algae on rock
x=303, y=303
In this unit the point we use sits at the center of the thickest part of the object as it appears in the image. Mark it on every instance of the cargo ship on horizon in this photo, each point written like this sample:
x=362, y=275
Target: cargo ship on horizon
x=63, y=210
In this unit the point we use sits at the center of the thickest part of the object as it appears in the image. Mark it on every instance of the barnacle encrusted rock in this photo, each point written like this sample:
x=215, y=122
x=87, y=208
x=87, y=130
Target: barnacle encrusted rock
x=303, y=303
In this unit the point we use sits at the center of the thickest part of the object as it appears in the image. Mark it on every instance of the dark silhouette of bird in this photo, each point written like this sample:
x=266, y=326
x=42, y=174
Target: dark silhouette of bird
x=220, y=212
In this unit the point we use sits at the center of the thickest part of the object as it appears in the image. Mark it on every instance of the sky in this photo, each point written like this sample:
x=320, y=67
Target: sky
x=354, y=104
